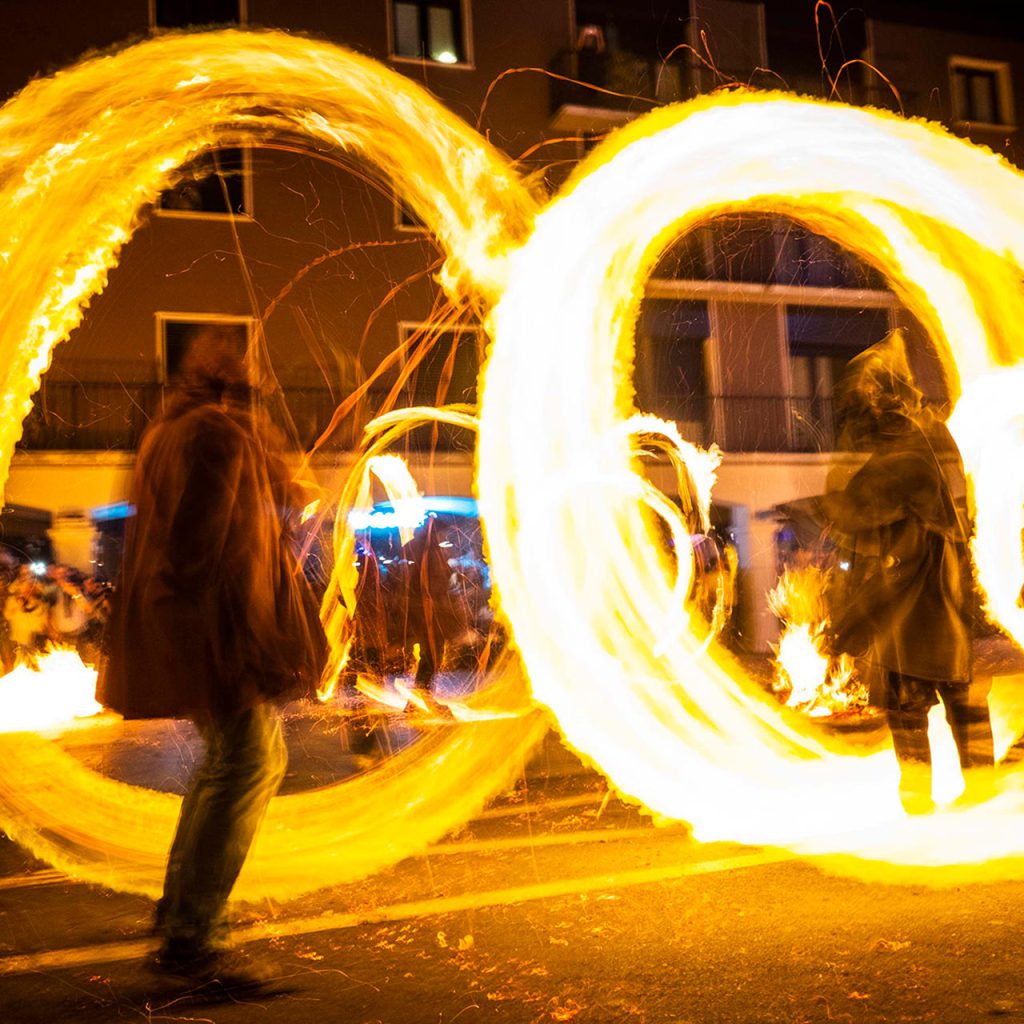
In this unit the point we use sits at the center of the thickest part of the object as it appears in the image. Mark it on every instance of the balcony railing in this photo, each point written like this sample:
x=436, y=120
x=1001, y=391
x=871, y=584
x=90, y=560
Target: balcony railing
x=109, y=416
x=90, y=416
x=755, y=423
x=112, y=416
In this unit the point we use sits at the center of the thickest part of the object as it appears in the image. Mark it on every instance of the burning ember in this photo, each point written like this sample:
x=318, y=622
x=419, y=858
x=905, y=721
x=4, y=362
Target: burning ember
x=808, y=677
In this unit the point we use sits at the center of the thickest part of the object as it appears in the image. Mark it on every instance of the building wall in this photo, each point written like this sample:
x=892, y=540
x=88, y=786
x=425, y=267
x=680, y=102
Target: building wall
x=338, y=320
x=915, y=57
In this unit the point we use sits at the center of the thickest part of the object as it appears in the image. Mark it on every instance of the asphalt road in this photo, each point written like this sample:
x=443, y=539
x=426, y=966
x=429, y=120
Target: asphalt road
x=558, y=904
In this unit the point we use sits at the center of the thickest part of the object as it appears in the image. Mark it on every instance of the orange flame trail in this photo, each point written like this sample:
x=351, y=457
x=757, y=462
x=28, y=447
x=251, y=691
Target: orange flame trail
x=676, y=727
x=80, y=159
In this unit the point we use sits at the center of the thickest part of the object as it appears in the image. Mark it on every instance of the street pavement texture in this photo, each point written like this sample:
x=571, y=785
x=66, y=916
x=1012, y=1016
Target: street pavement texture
x=558, y=904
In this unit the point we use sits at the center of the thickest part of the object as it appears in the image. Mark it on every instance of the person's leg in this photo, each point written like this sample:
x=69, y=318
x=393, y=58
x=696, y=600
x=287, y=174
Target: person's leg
x=244, y=765
x=907, y=706
x=971, y=724
x=186, y=819
x=969, y=720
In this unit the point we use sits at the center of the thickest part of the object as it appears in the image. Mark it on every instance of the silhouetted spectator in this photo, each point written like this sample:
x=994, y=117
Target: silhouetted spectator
x=213, y=620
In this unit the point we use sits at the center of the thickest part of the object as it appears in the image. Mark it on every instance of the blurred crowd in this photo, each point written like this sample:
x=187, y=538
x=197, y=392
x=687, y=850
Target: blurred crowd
x=47, y=605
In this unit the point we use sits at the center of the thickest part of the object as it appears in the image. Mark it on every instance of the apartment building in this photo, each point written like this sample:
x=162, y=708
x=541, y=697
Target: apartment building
x=748, y=321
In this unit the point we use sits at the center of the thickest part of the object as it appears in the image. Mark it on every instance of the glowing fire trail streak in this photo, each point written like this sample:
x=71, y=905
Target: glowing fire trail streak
x=80, y=160
x=80, y=157
x=676, y=727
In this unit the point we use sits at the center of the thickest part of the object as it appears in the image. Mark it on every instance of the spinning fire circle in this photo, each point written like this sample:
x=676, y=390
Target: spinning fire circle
x=80, y=160
x=670, y=719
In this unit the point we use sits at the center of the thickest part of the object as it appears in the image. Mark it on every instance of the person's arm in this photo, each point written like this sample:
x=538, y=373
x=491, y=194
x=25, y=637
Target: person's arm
x=885, y=490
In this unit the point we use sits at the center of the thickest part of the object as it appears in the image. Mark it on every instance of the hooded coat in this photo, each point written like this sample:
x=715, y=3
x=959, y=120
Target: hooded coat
x=212, y=613
x=902, y=528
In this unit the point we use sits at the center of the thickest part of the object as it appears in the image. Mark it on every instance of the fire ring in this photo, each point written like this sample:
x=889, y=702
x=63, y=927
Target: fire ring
x=80, y=159
x=677, y=727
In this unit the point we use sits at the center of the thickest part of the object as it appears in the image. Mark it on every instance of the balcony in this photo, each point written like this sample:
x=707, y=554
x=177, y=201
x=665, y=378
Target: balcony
x=598, y=91
x=112, y=416
x=756, y=423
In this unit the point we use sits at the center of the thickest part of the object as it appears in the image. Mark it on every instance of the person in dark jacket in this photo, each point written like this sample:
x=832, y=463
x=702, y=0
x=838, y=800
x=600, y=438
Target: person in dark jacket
x=212, y=621
x=901, y=522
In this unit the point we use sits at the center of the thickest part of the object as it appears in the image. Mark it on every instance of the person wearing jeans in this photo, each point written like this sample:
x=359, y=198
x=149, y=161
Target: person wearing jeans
x=212, y=621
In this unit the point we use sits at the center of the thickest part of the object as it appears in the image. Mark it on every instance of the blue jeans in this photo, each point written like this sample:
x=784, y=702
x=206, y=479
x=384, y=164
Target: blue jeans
x=227, y=798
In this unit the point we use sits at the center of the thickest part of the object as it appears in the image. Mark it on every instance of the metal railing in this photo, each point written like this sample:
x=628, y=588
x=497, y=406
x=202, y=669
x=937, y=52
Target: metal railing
x=83, y=415
x=754, y=423
x=111, y=416
x=90, y=415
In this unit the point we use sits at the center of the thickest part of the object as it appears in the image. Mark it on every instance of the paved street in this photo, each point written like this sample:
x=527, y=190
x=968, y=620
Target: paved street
x=558, y=903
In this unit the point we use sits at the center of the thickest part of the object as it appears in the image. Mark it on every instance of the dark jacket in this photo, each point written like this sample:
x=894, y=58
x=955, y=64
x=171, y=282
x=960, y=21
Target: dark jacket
x=212, y=613
x=907, y=591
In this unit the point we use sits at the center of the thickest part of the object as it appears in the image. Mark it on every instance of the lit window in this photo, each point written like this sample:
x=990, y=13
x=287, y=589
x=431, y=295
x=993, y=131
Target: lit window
x=183, y=13
x=981, y=91
x=431, y=30
x=215, y=183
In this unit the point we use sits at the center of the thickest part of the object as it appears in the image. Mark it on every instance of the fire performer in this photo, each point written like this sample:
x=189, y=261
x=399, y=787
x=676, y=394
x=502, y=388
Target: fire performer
x=213, y=621
x=905, y=600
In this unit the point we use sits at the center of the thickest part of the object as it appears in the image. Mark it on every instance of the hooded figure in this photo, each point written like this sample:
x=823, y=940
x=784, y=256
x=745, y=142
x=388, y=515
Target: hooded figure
x=902, y=526
x=213, y=621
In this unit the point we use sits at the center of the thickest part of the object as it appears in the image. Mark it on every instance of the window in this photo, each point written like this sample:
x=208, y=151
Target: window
x=822, y=340
x=175, y=333
x=184, y=13
x=406, y=219
x=814, y=261
x=217, y=183
x=982, y=92
x=669, y=374
x=429, y=30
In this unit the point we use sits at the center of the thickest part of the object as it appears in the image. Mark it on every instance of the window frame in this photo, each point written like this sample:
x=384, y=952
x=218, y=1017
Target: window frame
x=1001, y=72
x=466, y=13
x=399, y=208
x=406, y=328
x=248, y=195
x=243, y=17
x=163, y=317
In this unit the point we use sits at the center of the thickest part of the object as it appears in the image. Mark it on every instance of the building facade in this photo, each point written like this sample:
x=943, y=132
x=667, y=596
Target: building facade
x=747, y=322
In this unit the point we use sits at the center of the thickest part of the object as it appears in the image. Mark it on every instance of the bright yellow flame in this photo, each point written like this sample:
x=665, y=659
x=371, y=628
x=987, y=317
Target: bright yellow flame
x=79, y=161
x=678, y=727
x=814, y=680
x=54, y=693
